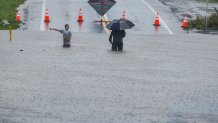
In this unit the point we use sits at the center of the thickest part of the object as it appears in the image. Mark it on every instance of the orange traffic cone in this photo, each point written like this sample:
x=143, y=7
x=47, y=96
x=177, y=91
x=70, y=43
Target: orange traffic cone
x=124, y=15
x=18, y=16
x=185, y=22
x=157, y=21
x=47, y=17
x=80, y=17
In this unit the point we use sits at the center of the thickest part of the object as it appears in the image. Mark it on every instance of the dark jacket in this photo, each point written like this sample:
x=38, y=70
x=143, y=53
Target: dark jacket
x=117, y=36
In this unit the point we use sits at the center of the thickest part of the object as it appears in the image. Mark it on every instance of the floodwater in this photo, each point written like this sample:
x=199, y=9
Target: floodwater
x=67, y=11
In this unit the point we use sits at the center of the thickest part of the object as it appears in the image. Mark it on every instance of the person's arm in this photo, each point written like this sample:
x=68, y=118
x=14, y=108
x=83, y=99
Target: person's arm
x=110, y=38
x=124, y=33
x=55, y=29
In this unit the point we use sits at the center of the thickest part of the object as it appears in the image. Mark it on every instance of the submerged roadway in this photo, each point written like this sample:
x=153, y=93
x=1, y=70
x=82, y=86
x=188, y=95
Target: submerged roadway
x=141, y=12
x=156, y=79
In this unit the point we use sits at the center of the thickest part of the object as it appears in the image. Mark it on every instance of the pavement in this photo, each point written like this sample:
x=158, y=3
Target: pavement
x=62, y=12
x=156, y=79
x=190, y=8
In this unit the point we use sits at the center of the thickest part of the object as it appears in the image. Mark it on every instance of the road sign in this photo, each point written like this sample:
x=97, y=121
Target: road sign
x=101, y=6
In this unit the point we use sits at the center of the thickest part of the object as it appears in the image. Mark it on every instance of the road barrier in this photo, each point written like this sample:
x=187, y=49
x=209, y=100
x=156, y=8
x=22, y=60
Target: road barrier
x=157, y=20
x=185, y=23
x=47, y=17
x=80, y=17
x=18, y=16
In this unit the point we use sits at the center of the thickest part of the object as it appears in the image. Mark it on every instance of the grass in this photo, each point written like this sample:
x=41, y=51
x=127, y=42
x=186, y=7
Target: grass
x=8, y=12
x=199, y=23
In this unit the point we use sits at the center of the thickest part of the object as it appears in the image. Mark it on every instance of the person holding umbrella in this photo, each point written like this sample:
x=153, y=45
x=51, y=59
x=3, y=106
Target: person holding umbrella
x=118, y=32
x=117, y=43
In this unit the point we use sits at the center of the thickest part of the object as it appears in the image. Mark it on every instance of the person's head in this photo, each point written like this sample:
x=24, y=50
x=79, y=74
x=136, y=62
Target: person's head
x=67, y=26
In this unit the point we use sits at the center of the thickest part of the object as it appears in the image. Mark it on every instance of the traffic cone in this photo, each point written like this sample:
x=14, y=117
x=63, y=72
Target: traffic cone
x=124, y=15
x=185, y=22
x=157, y=21
x=47, y=17
x=80, y=17
x=18, y=16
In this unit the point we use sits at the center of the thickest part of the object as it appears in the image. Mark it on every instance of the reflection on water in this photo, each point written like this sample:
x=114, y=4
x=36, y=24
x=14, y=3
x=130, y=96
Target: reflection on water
x=187, y=117
x=99, y=27
x=192, y=111
x=80, y=26
x=156, y=28
x=47, y=26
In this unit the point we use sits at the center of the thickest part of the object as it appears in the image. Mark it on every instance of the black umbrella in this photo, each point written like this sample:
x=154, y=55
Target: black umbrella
x=101, y=6
x=120, y=24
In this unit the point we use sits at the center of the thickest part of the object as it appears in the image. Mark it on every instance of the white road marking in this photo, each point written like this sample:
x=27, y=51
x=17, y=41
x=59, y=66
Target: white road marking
x=42, y=25
x=162, y=21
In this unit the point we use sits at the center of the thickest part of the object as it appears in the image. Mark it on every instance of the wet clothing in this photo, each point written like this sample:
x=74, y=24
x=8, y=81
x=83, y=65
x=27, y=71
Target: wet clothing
x=66, y=45
x=66, y=37
x=117, y=42
x=117, y=46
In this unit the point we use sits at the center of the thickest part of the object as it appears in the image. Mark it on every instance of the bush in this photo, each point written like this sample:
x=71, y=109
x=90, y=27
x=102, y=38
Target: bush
x=199, y=23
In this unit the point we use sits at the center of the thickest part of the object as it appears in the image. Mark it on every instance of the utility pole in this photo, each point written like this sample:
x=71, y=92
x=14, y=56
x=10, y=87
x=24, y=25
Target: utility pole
x=206, y=24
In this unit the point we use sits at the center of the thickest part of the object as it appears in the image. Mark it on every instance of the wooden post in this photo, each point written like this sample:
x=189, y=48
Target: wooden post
x=10, y=32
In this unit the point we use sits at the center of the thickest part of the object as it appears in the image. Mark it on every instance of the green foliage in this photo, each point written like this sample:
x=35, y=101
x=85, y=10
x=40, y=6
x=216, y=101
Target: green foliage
x=8, y=12
x=199, y=23
x=213, y=22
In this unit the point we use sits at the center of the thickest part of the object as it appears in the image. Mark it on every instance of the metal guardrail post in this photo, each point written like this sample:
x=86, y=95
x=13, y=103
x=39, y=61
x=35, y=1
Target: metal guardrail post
x=10, y=32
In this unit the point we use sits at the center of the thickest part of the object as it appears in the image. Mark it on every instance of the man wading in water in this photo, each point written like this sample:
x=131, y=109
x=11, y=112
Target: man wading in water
x=117, y=42
x=66, y=35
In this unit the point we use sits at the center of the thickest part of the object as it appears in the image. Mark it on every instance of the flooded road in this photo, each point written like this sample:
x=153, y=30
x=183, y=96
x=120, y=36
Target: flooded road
x=156, y=79
x=67, y=11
